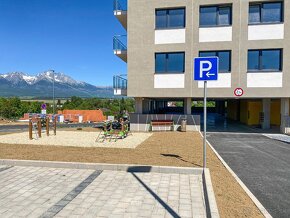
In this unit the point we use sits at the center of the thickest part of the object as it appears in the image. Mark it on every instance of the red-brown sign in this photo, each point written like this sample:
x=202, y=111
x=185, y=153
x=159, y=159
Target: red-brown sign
x=239, y=92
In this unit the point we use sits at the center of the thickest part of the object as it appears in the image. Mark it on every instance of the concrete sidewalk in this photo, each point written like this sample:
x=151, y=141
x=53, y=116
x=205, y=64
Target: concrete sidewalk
x=58, y=192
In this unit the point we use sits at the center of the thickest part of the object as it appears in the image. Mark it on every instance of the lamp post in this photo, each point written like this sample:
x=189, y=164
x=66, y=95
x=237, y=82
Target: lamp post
x=53, y=98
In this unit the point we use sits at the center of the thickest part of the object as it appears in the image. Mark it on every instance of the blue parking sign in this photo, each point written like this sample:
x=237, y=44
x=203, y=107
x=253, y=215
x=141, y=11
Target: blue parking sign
x=206, y=68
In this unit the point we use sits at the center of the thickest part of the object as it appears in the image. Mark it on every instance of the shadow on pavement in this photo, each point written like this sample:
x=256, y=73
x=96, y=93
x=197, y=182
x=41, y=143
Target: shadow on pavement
x=139, y=169
x=166, y=206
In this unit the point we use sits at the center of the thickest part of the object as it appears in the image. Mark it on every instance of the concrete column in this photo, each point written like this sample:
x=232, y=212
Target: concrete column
x=223, y=108
x=220, y=107
x=217, y=106
x=138, y=105
x=145, y=106
x=284, y=113
x=187, y=105
x=267, y=113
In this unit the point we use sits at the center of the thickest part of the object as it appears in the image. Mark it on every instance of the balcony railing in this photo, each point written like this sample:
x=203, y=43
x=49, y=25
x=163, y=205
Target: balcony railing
x=120, y=5
x=120, y=43
x=119, y=85
x=119, y=82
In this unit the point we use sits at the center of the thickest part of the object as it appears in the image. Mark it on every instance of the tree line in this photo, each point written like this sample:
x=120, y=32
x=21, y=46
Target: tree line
x=14, y=108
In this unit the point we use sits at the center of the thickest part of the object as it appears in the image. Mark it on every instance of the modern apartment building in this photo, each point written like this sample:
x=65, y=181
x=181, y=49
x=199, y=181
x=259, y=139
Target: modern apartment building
x=251, y=39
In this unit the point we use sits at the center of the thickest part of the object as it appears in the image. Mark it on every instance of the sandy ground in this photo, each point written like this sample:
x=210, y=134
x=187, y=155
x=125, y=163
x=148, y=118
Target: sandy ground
x=76, y=139
x=165, y=149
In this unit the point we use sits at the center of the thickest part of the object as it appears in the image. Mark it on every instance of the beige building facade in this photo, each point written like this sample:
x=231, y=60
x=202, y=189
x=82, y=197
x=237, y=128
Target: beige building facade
x=254, y=37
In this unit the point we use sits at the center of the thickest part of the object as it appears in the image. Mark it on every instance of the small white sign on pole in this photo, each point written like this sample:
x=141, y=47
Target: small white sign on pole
x=111, y=118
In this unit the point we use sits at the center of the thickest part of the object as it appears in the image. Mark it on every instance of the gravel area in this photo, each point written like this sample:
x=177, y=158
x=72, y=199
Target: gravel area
x=76, y=139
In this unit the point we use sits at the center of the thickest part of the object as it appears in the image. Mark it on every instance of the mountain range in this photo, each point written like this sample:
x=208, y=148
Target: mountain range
x=41, y=86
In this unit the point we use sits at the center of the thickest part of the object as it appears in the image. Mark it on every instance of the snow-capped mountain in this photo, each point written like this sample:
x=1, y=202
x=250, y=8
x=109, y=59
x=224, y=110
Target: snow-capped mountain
x=17, y=77
x=21, y=84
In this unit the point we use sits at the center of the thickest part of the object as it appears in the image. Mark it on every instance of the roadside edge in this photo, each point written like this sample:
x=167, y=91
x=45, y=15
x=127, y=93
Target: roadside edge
x=209, y=192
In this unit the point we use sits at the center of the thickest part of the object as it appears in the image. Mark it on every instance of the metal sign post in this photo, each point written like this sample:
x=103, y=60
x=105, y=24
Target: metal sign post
x=204, y=124
x=205, y=69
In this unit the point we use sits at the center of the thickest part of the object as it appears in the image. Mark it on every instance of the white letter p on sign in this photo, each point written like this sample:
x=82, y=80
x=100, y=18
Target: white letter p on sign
x=203, y=68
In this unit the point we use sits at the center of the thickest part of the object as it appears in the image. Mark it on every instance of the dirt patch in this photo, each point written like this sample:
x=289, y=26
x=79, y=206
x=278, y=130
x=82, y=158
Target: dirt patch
x=165, y=149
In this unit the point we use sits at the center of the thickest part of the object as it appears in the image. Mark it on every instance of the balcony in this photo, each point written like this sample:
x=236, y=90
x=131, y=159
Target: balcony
x=120, y=11
x=120, y=85
x=120, y=46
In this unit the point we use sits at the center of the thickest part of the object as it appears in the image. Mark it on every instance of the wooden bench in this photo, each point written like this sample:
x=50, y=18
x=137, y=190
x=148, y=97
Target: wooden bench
x=162, y=124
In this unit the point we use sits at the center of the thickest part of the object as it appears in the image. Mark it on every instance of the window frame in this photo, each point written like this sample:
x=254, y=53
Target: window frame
x=166, y=63
x=217, y=15
x=167, y=18
x=260, y=70
x=261, y=4
x=216, y=55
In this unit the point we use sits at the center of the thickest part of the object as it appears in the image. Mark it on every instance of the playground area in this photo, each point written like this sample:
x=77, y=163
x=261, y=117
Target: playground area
x=76, y=139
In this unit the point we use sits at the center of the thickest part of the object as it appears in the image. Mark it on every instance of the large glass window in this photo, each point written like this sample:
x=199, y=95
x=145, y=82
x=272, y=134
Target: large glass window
x=265, y=60
x=169, y=62
x=160, y=63
x=254, y=14
x=224, y=59
x=253, y=60
x=161, y=19
x=215, y=16
x=170, y=18
x=269, y=12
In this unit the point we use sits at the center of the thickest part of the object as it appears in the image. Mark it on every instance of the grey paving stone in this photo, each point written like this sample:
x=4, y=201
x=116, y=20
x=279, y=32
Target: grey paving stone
x=24, y=189
x=111, y=194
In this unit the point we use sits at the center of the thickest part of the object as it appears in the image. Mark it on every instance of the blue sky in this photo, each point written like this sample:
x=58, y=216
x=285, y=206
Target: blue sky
x=69, y=36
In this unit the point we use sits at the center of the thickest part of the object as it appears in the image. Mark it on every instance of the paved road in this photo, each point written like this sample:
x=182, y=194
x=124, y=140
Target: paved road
x=12, y=128
x=54, y=192
x=263, y=164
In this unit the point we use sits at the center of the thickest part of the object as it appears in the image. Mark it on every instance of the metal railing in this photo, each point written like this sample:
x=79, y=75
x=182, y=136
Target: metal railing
x=120, y=43
x=120, y=5
x=119, y=82
x=141, y=122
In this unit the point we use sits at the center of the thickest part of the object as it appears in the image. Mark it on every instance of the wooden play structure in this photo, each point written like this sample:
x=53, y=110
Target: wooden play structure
x=35, y=127
x=113, y=131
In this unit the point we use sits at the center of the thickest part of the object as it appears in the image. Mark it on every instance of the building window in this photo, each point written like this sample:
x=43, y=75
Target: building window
x=170, y=18
x=211, y=16
x=269, y=12
x=224, y=59
x=169, y=62
x=265, y=60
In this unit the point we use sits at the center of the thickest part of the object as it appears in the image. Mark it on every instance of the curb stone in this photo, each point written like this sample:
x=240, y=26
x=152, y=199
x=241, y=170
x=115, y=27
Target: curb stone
x=212, y=205
x=101, y=166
